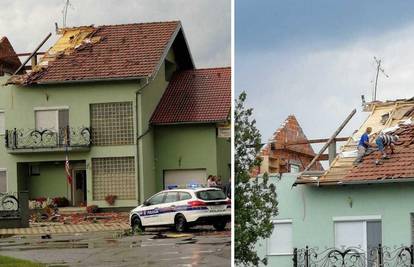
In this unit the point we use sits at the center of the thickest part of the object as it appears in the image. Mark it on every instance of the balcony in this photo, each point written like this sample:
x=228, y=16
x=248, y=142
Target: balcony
x=48, y=140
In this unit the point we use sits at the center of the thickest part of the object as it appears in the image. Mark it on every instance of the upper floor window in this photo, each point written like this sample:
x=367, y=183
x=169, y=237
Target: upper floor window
x=294, y=168
x=112, y=123
x=52, y=119
x=2, y=123
x=3, y=180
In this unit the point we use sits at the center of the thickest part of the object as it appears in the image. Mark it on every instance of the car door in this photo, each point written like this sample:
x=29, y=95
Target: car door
x=168, y=208
x=150, y=212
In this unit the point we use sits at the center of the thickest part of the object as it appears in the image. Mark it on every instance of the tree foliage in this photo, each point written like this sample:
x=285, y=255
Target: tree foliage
x=255, y=198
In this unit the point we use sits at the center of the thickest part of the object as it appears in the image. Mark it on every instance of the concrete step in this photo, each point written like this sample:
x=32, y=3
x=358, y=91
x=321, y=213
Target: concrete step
x=72, y=210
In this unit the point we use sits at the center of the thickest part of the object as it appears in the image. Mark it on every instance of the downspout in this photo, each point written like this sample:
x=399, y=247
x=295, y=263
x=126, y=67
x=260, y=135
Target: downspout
x=139, y=135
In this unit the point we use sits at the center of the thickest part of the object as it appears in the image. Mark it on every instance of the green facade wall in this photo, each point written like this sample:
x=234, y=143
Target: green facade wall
x=50, y=183
x=148, y=99
x=224, y=158
x=312, y=209
x=19, y=104
x=191, y=146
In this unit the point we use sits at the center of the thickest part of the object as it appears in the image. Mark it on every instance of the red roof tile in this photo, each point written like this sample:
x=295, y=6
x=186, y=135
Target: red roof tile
x=202, y=95
x=400, y=165
x=123, y=51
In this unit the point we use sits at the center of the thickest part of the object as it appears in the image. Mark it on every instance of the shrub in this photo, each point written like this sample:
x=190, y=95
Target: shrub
x=61, y=201
x=110, y=199
x=92, y=209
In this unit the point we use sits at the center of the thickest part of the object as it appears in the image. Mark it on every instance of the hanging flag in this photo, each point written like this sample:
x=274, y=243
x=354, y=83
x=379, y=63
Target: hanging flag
x=67, y=169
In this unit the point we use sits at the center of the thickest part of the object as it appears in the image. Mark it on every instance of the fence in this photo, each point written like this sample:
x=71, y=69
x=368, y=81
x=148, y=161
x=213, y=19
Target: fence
x=380, y=256
x=14, y=210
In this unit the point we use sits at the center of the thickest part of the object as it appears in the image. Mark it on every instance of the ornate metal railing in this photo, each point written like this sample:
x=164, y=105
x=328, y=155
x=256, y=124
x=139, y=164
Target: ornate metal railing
x=380, y=256
x=34, y=139
x=9, y=205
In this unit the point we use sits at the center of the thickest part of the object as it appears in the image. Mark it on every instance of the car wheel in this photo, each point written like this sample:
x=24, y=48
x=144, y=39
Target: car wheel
x=180, y=223
x=137, y=224
x=219, y=226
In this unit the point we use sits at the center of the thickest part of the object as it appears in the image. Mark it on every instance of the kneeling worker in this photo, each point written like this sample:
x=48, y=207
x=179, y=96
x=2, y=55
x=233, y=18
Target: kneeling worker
x=383, y=141
x=363, y=145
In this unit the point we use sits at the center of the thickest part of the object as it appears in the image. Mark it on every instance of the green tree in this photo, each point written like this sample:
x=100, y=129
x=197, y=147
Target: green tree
x=255, y=197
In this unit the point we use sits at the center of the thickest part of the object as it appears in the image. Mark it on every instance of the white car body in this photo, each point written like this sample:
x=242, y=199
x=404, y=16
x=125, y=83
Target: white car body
x=184, y=202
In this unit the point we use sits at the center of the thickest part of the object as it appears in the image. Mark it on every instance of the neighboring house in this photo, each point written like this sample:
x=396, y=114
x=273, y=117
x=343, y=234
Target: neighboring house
x=350, y=206
x=127, y=106
x=282, y=155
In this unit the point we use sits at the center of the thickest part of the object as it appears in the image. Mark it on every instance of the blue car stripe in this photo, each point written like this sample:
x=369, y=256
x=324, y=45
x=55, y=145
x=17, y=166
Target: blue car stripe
x=158, y=211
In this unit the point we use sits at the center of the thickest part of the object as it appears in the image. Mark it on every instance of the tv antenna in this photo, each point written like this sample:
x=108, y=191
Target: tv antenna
x=379, y=69
x=65, y=12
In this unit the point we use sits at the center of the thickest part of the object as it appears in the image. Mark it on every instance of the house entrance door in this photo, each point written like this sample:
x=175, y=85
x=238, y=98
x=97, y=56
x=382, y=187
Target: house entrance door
x=79, y=188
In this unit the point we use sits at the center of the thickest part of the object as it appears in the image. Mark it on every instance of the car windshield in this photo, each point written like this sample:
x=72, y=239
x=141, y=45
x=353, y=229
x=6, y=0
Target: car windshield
x=211, y=195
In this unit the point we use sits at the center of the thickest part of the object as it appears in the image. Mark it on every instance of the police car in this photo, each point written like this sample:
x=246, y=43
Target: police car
x=183, y=208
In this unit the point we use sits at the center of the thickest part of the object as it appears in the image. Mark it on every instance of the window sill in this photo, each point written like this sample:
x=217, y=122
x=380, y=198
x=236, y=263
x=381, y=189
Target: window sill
x=280, y=254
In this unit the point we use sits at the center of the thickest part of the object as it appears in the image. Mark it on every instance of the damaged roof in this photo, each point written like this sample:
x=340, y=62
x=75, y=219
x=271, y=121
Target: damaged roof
x=9, y=61
x=90, y=53
x=196, y=96
x=395, y=117
x=400, y=165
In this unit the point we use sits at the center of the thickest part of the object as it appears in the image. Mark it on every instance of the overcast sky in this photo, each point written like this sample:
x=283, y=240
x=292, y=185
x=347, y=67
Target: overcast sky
x=206, y=25
x=314, y=59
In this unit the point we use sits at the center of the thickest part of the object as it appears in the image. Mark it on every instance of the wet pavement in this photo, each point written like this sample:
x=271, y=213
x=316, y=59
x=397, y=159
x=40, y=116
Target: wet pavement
x=200, y=247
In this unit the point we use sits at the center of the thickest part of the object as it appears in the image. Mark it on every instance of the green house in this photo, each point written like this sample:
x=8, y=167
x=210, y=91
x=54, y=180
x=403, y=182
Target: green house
x=350, y=206
x=124, y=105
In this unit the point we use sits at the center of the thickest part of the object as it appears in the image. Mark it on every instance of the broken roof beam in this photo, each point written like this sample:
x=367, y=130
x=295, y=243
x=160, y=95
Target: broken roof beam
x=331, y=139
x=33, y=53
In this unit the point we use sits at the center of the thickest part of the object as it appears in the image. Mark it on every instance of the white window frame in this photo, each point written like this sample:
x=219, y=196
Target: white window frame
x=363, y=219
x=4, y=114
x=50, y=109
x=7, y=182
x=295, y=166
x=275, y=222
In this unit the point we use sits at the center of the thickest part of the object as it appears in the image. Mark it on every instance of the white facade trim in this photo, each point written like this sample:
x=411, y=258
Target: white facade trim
x=280, y=221
x=357, y=218
x=50, y=108
x=4, y=114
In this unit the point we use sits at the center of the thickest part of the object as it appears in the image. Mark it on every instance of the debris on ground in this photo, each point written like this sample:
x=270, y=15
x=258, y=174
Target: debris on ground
x=161, y=235
x=79, y=218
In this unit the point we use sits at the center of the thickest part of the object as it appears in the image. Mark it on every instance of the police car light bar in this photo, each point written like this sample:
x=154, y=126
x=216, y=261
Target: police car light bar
x=186, y=186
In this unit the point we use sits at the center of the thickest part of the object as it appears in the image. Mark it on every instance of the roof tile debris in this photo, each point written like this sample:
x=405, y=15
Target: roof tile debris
x=104, y=52
x=196, y=96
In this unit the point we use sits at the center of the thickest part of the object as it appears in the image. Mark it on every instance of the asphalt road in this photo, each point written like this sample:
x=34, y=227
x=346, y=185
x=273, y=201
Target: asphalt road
x=200, y=247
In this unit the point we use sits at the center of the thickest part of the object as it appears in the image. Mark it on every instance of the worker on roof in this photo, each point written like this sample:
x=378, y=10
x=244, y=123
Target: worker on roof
x=383, y=141
x=363, y=145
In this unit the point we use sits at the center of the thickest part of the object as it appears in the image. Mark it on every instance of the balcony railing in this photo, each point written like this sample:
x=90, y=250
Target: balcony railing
x=48, y=139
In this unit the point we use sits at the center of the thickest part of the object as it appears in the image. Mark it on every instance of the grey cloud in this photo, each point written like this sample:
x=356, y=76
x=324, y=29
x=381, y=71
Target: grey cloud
x=207, y=24
x=321, y=87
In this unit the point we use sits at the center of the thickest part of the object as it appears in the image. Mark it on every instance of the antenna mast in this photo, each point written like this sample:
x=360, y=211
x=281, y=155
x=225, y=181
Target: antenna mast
x=378, y=61
x=65, y=12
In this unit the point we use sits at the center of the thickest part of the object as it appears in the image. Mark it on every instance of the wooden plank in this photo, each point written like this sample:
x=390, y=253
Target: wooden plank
x=331, y=139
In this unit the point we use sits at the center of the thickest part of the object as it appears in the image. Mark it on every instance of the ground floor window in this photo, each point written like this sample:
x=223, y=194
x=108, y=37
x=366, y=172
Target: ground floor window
x=363, y=232
x=280, y=242
x=3, y=180
x=114, y=176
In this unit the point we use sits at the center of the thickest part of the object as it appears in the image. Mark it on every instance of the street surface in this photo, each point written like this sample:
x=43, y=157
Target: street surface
x=202, y=246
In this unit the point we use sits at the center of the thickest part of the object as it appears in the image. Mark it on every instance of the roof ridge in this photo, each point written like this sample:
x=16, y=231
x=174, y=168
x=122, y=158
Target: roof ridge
x=121, y=24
